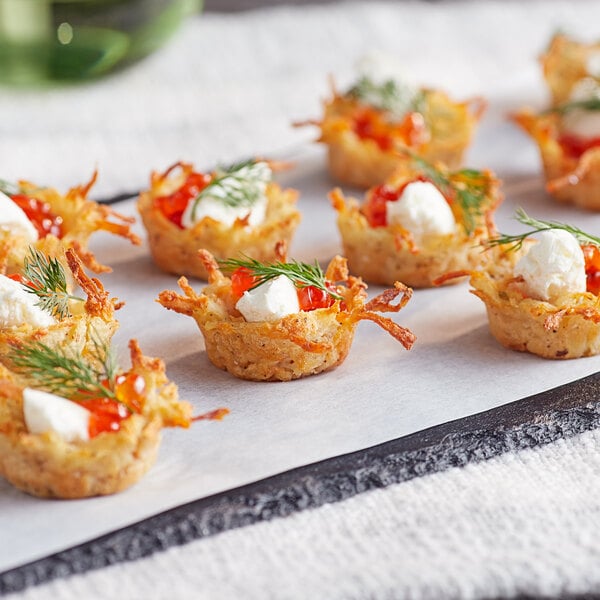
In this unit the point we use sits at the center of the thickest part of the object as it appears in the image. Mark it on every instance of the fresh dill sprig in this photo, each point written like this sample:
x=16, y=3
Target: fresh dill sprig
x=467, y=187
x=45, y=278
x=240, y=184
x=587, y=104
x=9, y=188
x=301, y=274
x=515, y=242
x=66, y=375
x=390, y=95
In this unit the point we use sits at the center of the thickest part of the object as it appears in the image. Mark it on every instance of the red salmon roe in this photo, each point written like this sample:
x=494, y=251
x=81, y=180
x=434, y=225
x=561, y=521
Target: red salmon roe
x=309, y=297
x=591, y=254
x=40, y=215
x=108, y=413
x=174, y=205
x=574, y=146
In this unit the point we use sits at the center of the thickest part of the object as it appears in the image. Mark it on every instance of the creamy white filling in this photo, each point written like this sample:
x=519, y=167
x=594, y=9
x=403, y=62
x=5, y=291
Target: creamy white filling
x=271, y=301
x=18, y=306
x=580, y=122
x=422, y=210
x=216, y=201
x=46, y=412
x=554, y=266
x=592, y=63
x=14, y=219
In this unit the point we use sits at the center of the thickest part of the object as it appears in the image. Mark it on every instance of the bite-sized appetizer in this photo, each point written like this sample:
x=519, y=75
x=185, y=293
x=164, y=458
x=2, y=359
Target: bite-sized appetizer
x=566, y=63
x=568, y=137
x=231, y=211
x=568, y=134
x=38, y=304
x=365, y=126
x=424, y=222
x=39, y=216
x=73, y=428
x=543, y=296
x=283, y=320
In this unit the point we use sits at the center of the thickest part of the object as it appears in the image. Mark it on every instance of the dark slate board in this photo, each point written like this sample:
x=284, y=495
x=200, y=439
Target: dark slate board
x=539, y=419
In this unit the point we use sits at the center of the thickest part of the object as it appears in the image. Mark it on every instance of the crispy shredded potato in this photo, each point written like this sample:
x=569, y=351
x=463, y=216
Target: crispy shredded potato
x=298, y=345
x=387, y=254
x=174, y=250
x=568, y=179
x=45, y=465
x=81, y=218
x=564, y=64
x=91, y=322
x=362, y=162
x=570, y=328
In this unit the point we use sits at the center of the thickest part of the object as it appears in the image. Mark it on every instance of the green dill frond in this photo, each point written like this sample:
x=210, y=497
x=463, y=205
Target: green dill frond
x=515, y=242
x=240, y=184
x=46, y=279
x=469, y=188
x=301, y=274
x=567, y=107
x=390, y=96
x=67, y=375
x=9, y=188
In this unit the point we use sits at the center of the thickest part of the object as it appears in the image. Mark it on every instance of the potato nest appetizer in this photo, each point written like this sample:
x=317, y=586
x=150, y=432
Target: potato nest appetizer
x=569, y=329
x=565, y=63
x=174, y=247
x=80, y=324
x=297, y=345
x=72, y=218
x=567, y=324
x=384, y=253
x=114, y=457
x=363, y=140
x=572, y=175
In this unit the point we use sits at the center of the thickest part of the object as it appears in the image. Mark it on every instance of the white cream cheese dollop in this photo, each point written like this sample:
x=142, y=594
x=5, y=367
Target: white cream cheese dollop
x=46, y=412
x=18, y=306
x=592, y=63
x=253, y=177
x=554, y=266
x=581, y=122
x=271, y=301
x=13, y=218
x=422, y=210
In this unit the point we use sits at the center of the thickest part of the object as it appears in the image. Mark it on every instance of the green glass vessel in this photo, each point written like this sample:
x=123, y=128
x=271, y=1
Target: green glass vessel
x=72, y=40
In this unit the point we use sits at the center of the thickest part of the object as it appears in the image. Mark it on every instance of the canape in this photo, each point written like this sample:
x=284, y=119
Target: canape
x=423, y=222
x=49, y=220
x=542, y=296
x=284, y=320
x=231, y=211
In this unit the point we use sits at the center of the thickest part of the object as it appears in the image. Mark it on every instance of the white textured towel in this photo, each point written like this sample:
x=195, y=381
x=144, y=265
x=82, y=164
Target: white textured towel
x=520, y=524
x=226, y=87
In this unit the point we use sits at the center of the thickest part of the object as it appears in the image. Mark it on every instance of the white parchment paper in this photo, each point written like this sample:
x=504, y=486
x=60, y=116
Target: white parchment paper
x=244, y=101
x=380, y=393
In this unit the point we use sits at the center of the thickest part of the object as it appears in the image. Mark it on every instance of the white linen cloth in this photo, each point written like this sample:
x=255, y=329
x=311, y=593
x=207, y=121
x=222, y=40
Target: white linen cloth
x=227, y=87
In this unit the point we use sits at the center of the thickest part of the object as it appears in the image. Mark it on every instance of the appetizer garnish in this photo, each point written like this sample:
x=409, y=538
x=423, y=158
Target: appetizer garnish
x=36, y=304
x=42, y=216
x=281, y=321
x=231, y=211
x=568, y=134
x=73, y=427
x=365, y=127
x=422, y=223
x=542, y=296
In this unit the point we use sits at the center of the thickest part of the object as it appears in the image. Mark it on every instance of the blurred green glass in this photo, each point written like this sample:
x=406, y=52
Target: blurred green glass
x=71, y=40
